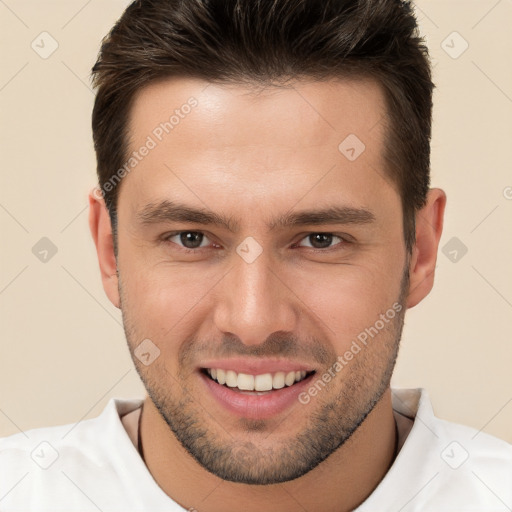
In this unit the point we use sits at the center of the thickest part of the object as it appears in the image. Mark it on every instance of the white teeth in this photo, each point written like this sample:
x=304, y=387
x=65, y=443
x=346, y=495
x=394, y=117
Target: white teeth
x=258, y=384
x=231, y=379
x=263, y=382
x=278, y=380
x=245, y=382
x=290, y=378
x=221, y=376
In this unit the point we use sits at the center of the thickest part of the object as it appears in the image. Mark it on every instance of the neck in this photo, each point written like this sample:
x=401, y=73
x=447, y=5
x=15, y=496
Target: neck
x=340, y=483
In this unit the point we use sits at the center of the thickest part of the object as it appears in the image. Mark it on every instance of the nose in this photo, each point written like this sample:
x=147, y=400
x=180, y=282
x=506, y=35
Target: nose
x=255, y=301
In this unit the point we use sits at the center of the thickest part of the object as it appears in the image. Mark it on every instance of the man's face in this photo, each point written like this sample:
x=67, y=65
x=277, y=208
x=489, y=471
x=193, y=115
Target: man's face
x=256, y=294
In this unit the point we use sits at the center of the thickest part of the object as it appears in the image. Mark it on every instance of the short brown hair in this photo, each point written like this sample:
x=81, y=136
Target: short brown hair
x=271, y=42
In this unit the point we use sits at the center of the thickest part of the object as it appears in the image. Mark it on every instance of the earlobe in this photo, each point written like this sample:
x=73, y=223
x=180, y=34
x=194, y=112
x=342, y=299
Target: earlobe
x=429, y=227
x=101, y=231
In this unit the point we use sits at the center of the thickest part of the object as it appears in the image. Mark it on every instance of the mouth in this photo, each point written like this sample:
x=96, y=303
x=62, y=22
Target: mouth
x=255, y=396
x=258, y=385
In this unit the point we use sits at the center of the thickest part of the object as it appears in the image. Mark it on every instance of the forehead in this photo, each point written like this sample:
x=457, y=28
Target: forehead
x=236, y=114
x=264, y=143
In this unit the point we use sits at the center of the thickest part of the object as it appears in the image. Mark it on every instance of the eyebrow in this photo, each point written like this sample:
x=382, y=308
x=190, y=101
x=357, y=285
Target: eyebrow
x=169, y=211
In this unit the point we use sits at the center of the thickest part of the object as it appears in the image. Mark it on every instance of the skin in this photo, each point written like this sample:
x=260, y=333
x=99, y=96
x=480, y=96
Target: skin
x=254, y=155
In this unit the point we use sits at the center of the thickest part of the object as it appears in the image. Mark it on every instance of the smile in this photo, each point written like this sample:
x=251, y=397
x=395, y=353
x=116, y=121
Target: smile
x=259, y=383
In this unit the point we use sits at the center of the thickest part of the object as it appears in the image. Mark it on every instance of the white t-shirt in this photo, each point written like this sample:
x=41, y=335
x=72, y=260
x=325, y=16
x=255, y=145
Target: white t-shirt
x=94, y=465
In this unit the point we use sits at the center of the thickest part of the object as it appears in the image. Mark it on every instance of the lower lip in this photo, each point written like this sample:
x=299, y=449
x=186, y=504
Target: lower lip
x=256, y=407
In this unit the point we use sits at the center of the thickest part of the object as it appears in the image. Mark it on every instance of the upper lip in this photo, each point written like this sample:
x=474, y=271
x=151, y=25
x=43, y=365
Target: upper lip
x=256, y=366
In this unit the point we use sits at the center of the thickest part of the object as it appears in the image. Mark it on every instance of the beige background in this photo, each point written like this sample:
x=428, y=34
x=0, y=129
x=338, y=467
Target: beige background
x=63, y=353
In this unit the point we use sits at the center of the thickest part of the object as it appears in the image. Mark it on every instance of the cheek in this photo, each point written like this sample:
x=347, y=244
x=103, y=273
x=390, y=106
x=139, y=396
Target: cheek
x=160, y=306
x=161, y=300
x=349, y=300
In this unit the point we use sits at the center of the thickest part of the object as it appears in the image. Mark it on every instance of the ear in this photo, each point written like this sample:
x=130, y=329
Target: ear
x=101, y=230
x=429, y=226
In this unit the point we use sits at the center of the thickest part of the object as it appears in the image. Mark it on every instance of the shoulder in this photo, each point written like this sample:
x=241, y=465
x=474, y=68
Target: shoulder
x=450, y=466
x=42, y=464
x=488, y=458
x=456, y=441
x=38, y=443
x=474, y=469
x=461, y=442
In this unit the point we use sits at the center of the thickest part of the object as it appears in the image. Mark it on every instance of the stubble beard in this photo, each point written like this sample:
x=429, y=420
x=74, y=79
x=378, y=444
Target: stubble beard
x=333, y=417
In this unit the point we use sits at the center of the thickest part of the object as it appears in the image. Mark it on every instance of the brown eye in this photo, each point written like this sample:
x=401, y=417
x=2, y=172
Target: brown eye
x=321, y=240
x=188, y=239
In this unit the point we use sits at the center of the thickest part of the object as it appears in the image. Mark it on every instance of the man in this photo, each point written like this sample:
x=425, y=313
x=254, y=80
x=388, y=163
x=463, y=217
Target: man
x=263, y=221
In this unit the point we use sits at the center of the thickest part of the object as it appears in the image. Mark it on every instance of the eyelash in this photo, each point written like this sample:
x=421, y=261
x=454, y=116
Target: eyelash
x=344, y=241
